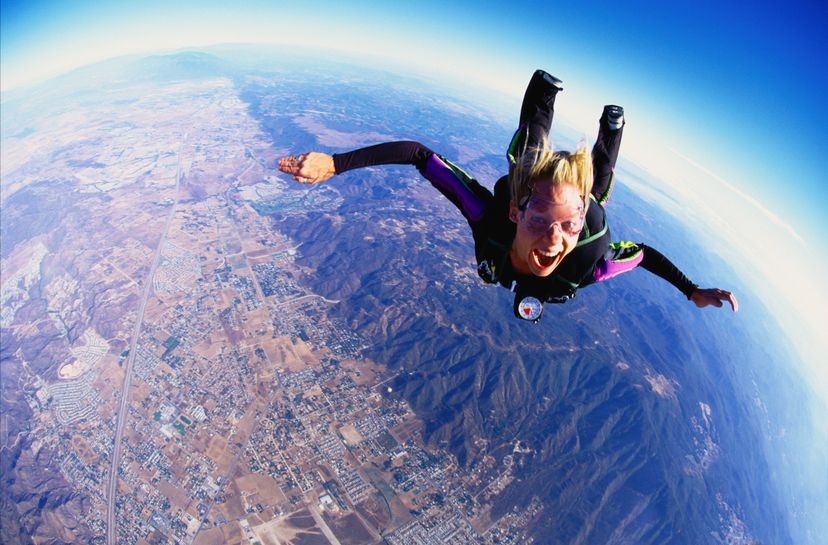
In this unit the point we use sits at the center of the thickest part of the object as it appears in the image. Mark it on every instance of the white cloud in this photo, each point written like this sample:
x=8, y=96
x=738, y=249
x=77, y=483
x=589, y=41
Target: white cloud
x=759, y=245
x=776, y=220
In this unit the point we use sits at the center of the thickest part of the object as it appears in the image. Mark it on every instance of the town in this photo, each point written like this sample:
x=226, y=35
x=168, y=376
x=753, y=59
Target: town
x=252, y=416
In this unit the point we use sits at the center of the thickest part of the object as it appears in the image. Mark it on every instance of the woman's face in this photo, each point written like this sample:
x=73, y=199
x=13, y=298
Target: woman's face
x=548, y=226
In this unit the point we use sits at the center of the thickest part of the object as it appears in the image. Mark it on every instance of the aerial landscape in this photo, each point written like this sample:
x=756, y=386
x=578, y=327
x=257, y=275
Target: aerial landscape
x=197, y=350
x=251, y=414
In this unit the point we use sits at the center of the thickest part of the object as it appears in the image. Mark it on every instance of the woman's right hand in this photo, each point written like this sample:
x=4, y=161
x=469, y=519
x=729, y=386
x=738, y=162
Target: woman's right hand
x=308, y=168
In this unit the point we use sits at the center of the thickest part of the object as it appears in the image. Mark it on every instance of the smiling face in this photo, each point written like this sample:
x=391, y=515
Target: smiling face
x=547, y=228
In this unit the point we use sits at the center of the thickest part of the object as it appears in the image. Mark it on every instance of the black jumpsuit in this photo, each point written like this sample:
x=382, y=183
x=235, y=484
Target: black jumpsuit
x=595, y=257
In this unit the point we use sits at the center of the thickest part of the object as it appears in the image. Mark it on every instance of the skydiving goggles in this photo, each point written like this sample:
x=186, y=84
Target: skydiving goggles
x=536, y=213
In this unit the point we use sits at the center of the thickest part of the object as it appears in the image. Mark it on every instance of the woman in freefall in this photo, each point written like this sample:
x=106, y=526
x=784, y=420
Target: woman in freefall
x=543, y=233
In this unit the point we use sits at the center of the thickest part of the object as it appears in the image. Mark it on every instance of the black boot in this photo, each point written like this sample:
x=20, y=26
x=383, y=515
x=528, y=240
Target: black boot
x=536, y=113
x=550, y=79
x=614, y=116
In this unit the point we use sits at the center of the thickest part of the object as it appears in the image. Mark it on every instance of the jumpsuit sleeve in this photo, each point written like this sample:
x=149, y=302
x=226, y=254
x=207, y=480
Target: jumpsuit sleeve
x=462, y=190
x=625, y=256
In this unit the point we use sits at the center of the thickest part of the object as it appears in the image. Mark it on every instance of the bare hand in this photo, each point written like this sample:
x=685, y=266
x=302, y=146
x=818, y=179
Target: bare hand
x=308, y=168
x=703, y=297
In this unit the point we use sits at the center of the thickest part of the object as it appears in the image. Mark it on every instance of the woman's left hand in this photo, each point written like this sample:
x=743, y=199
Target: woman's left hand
x=703, y=297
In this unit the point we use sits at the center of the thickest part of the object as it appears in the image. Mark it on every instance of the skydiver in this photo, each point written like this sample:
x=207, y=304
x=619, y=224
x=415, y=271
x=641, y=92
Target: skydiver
x=543, y=233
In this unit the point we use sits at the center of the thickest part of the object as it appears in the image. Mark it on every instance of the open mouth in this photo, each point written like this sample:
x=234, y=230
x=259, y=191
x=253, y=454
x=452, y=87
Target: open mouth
x=544, y=259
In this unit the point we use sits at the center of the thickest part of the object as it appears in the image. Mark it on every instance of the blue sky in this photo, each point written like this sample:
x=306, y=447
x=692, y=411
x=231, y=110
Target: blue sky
x=725, y=104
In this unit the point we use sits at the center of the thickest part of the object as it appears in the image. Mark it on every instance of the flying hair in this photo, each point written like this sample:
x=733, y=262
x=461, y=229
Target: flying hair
x=561, y=167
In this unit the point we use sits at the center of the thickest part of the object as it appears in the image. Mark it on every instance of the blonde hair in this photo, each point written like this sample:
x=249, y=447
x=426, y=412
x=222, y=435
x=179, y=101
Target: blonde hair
x=559, y=167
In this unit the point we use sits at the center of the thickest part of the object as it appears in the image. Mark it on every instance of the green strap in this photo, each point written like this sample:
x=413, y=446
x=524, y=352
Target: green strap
x=605, y=197
x=596, y=236
x=624, y=245
x=458, y=172
x=510, y=152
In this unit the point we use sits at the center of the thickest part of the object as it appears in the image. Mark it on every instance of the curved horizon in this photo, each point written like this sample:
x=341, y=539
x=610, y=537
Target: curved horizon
x=732, y=159
x=693, y=122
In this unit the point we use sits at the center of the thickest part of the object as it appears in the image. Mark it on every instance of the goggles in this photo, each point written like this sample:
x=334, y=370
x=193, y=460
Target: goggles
x=540, y=216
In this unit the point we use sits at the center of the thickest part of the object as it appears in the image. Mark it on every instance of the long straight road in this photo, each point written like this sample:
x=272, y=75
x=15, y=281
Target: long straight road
x=111, y=523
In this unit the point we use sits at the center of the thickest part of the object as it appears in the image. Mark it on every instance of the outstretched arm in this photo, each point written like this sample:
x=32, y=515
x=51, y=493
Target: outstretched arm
x=657, y=263
x=315, y=167
x=460, y=188
x=625, y=256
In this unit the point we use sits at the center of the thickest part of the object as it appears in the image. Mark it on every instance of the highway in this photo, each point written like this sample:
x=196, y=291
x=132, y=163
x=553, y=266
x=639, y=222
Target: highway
x=112, y=488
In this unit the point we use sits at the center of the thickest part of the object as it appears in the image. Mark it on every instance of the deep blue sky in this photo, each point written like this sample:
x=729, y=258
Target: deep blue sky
x=726, y=104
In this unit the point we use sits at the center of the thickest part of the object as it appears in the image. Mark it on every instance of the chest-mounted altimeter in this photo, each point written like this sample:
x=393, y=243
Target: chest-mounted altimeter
x=528, y=308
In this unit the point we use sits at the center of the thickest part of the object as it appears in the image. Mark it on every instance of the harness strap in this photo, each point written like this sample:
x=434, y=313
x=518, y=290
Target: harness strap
x=593, y=237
